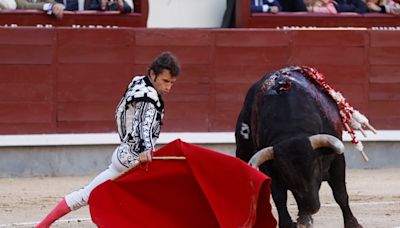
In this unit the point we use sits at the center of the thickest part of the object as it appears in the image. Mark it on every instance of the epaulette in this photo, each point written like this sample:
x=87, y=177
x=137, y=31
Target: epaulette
x=141, y=89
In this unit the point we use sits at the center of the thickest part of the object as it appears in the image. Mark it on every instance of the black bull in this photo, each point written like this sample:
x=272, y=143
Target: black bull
x=282, y=112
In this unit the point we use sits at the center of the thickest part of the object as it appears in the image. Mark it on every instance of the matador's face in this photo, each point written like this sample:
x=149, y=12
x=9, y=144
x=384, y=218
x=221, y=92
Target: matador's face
x=162, y=82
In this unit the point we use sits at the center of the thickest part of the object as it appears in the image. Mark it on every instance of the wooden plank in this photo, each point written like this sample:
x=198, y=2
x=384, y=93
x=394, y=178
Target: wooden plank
x=194, y=73
x=186, y=115
x=386, y=123
x=225, y=116
x=92, y=82
x=334, y=75
x=194, y=85
x=245, y=19
x=188, y=88
x=27, y=36
x=18, y=92
x=243, y=74
x=182, y=125
x=26, y=54
x=384, y=38
x=305, y=19
x=230, y=92
x=94, y=92
x=384, y=109
x=353, y=92
x=27, y=128
x=248, y=56
x=185, y=98
x=31, y=17
x=115, y=73
x=106, y=55
x=85, y=111
x=186, y=110
x=85, y=126
x=201, y=55
x=26, y=83
x=384, y=92
x=174, y=37
x=384, y=55
x=106, y=19
x=29, y=74
x=92, y=37
x=90, y=18
x=384, y=74
x=252, y=38
x=302, y=55
x=348, y=38
x=95, y=45
x=26, y=112
x=140, y=69
x=27, y=46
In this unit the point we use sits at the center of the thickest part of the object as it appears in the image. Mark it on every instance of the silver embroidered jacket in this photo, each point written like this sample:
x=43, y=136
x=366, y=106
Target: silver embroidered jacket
x=139, y=116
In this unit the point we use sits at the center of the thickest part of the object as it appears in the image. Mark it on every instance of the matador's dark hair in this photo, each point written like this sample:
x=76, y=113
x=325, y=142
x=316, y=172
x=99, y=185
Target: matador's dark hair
x=167, y=61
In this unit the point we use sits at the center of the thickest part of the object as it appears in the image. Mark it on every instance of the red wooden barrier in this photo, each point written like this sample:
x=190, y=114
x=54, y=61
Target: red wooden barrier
x=246, y=19
x=64, y=80
x=32, y=17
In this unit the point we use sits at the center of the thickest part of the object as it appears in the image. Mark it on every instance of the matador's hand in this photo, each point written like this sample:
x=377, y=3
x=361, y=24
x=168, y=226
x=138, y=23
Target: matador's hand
x=145, y=156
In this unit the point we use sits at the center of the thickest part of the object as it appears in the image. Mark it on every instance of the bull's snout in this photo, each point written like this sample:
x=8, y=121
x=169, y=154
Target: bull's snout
x=308, y=204
x=309, y=208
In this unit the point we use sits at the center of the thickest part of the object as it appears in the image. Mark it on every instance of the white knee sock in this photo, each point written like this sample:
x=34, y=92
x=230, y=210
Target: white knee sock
x=79, y=198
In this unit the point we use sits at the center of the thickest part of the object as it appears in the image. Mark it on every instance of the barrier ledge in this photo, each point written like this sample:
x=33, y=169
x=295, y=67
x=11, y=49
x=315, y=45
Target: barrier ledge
x=190, y=137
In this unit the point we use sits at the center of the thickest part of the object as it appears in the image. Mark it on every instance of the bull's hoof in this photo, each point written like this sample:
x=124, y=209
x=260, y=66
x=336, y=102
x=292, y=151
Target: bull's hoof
x=305, y=226
x=291, y=225
x=305, y=221
x=352, y=223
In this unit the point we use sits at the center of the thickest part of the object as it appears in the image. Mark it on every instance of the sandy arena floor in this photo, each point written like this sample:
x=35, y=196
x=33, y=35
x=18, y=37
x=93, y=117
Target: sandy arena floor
x=374, y=199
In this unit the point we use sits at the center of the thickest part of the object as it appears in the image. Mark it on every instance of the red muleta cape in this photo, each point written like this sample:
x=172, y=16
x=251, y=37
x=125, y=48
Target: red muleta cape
x=207, y=189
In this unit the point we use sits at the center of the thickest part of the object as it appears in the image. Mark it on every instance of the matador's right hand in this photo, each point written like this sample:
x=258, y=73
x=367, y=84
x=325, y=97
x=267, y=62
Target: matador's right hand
x=146, y=156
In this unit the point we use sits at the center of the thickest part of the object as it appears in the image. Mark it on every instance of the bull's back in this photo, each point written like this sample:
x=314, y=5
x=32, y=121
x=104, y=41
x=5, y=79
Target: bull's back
x=295, y=114
x=270, y=118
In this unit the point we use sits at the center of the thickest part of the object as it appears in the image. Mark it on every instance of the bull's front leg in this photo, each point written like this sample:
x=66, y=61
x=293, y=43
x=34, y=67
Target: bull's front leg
x=337, y=183
x=279, y=195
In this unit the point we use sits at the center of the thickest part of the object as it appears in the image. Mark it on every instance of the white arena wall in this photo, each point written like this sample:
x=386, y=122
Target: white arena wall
x=186, y=13
x=87, y=154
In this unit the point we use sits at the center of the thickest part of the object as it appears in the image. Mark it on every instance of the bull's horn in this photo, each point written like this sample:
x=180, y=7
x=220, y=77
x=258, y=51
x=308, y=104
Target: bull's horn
x=262, y=156
x=324, y=140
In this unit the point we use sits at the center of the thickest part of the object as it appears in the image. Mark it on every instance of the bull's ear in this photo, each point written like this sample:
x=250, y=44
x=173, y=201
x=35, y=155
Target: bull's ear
x=262, y=156
x=325, y=140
